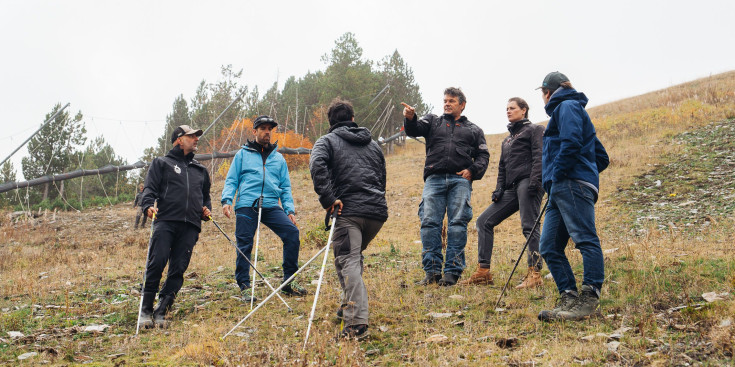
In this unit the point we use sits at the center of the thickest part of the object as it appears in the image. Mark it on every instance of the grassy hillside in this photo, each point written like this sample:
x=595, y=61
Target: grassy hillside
x=665, y=218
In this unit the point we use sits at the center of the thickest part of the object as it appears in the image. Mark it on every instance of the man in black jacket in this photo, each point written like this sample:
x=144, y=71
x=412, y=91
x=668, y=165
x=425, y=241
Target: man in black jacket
x=456, y=155
x=180, y=185
x=348, y=170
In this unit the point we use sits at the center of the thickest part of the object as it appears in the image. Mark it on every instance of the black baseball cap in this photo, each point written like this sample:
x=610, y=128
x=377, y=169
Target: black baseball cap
x=184, y=130
x=553, y=80
x=264, y=119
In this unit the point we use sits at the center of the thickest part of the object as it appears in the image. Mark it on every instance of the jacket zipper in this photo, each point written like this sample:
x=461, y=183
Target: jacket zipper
x=186, y=167
x=451, y=141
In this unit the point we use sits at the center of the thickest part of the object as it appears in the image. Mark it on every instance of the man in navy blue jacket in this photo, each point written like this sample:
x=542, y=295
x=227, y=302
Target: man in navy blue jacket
x=572, y=160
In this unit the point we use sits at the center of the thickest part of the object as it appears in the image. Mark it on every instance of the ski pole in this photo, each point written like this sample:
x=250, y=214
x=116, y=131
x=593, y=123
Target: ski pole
x=257, y=241
x=538, y=220
x=277, y=290
x=321, y=276
x=246, y=259
x=145, y=271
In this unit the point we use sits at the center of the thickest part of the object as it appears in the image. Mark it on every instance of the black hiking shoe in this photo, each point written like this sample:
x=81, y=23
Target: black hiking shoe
x=246, y=295
x=146, y=311
x=563, y=303
x=585, y=305
x=430, y=278
x=164, y=306
x=354, y=332
x=294, y=289
x=448, y=280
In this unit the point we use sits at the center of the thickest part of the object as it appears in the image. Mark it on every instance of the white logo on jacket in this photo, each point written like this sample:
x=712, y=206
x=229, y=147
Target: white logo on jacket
x=177, y=169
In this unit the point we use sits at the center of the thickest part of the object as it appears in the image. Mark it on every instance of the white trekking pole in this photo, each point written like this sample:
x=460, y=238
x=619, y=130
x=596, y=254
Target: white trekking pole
x=248, y=261
x=257, y=241
x=321, y=276
x=285, y=283
x=145, y=270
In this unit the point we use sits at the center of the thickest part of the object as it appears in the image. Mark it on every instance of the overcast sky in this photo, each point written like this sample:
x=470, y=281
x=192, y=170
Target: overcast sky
x=122, y=63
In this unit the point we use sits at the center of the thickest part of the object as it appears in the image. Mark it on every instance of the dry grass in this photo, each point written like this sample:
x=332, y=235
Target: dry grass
x=86, y=269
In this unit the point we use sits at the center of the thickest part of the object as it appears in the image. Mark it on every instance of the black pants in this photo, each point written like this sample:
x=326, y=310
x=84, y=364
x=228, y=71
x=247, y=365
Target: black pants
x=171, y=242
x=512, y=201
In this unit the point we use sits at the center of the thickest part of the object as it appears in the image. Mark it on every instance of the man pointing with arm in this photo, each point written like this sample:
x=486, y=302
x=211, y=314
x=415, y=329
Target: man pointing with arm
x=456, y=155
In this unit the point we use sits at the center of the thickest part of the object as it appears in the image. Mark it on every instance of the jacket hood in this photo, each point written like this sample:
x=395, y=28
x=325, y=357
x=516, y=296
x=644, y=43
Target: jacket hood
x=562, y=95
x=354, y=134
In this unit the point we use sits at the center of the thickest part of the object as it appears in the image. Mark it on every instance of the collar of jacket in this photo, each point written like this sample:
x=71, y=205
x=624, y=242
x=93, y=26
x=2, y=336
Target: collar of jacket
x=178, y=154
x=342, y=123
x=255, y=146
x=462, y=119
x=514, y=127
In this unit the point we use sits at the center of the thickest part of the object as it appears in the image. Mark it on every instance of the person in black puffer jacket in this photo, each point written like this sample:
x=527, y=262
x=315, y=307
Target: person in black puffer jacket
x=518, y=188
x=348, y=171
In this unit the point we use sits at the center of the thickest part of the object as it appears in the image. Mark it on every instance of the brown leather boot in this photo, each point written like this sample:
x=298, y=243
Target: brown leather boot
x=481, y=276
x=533, y=279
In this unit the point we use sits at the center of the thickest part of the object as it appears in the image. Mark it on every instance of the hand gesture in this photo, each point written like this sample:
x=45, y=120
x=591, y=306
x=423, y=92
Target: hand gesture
x=408, y=111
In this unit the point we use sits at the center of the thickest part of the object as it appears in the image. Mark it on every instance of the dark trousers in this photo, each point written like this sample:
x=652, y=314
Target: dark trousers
x=351, y=237
x=571, y=213
x=172, y=243
x=512, y=200
x=274, y=218
x=139, y=214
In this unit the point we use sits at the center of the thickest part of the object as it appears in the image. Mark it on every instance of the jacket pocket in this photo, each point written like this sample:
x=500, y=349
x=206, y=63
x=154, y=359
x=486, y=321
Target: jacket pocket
x=465, y=153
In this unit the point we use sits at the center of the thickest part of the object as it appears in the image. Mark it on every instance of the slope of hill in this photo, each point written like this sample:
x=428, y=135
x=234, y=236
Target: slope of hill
x=63, y=273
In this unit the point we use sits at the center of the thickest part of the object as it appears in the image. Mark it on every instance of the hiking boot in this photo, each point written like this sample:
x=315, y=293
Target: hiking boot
x=448, y=280
x=563, y=303
x=164, y=306
x=246, y=295
x=533, y=279
x=430, y=278
x=294, y=289
x=481, y=276
x=146, y=311
x=585, y=305
x=357, y=332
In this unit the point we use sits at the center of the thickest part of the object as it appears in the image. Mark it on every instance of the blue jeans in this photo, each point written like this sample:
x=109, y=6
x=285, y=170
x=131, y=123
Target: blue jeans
x=278, y=222
x=571, y=213
x=450, y=194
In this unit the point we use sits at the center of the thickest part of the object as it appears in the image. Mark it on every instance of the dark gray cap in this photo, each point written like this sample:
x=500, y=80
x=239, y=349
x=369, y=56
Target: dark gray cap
x=553, y=80
x=264, y=119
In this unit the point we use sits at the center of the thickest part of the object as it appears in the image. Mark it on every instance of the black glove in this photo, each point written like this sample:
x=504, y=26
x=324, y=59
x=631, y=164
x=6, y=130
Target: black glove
x=497, y=194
